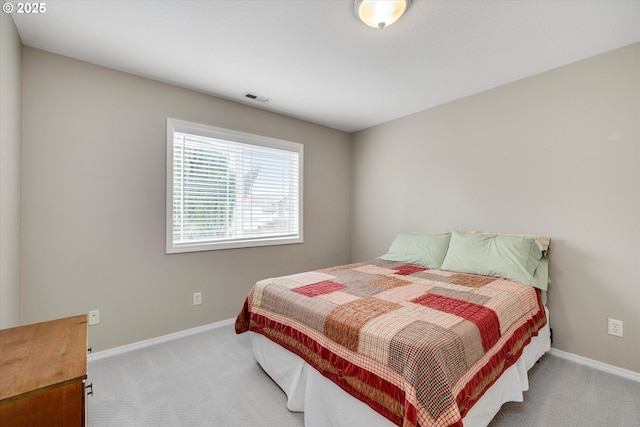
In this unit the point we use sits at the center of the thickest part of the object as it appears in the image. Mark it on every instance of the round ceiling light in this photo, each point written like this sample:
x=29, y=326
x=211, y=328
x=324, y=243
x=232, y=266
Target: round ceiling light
x=380, y=13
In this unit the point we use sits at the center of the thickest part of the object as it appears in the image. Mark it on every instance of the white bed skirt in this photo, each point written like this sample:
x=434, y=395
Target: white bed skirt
x=326, y=405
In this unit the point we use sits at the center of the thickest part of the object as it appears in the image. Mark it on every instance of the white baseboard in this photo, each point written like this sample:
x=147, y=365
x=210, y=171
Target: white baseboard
x=635, y=376
x=597, y=365
x=153, y=341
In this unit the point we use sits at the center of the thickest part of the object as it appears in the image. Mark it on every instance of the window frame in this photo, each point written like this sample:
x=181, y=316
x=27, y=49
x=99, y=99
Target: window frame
x=176, y=125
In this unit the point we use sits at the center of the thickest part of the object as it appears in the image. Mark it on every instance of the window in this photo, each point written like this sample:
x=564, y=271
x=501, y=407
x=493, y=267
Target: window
x=227, y=189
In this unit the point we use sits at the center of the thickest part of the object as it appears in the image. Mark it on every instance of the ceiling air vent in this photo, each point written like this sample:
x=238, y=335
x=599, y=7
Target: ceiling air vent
x=255, y=97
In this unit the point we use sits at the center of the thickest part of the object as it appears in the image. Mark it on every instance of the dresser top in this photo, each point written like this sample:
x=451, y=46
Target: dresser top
x=42, y=355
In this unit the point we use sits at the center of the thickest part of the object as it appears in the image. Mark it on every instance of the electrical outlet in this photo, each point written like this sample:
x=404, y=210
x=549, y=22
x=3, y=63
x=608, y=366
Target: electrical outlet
x=94, y=317
x=615, y=327
x=197, y=298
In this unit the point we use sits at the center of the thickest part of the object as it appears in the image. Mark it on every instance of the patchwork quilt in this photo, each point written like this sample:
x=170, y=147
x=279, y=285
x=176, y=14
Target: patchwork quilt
x=419, y=346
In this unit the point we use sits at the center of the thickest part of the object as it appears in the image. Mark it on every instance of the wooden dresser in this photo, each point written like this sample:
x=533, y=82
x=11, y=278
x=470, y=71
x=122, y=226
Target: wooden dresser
x=42, y=371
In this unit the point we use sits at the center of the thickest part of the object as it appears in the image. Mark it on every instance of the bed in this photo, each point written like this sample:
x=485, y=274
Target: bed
x=440, y=331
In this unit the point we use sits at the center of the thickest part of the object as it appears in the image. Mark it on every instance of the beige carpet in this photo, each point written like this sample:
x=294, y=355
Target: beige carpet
x=211, y=379
x=566, y=394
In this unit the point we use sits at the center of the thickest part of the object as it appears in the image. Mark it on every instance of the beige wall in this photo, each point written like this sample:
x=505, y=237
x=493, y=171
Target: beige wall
x=556, y=154
x=10, y=163
x=94, y=203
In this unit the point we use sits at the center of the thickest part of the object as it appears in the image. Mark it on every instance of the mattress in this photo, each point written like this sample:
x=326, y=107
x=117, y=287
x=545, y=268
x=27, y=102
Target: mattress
x=326, y=405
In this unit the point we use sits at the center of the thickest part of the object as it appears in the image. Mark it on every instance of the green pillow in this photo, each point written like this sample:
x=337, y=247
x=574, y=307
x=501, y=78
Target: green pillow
x=541, y=276
x=508, y=256
x=426, y=250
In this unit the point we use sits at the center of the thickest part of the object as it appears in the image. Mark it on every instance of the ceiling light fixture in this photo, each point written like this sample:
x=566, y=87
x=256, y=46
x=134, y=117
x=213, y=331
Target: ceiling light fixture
x=380, y=13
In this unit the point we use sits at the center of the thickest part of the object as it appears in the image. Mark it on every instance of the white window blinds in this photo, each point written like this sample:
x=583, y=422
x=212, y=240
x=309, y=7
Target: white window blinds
x=230, y=189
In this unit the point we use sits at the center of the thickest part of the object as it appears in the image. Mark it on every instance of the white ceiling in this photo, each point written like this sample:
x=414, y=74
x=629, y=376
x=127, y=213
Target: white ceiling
x=317, y=62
